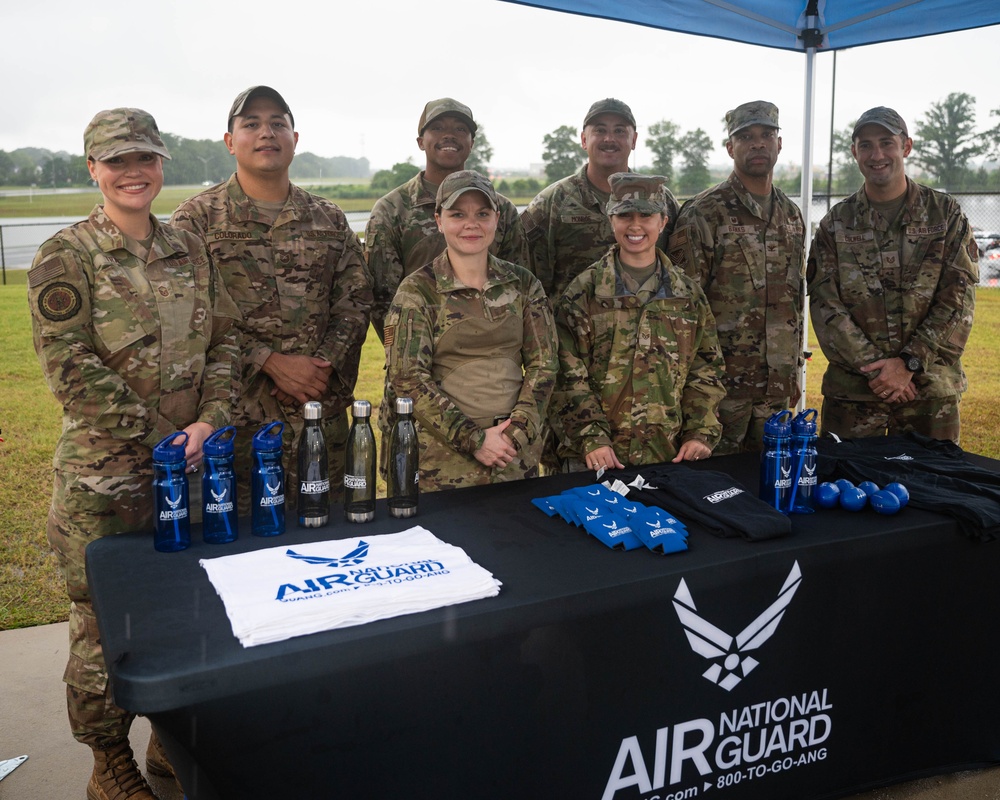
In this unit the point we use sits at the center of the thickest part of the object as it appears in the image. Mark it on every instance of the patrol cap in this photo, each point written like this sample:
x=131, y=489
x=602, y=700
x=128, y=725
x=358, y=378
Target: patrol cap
x=466, y=180
x=609, y=106
x=880, y=115
x=122, y=130
x=247, y=95
x=630, y=191
x=442, y=107
x=756, y=112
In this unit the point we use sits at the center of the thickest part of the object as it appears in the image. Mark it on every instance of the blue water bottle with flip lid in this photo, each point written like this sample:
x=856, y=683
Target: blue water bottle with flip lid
x=170, y=494
x=267, y=482
x=218, y=488
x=776, y=461
x=803, y=462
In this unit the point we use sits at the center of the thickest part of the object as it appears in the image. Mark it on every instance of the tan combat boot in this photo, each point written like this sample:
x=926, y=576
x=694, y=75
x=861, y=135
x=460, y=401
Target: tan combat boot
x=157, y=762
x=116, y=776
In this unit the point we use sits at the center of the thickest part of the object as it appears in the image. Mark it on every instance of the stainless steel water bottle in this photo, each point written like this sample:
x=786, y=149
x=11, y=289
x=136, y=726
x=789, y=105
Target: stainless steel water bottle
x=314, y=469
x=359, y=466
x=402, y=479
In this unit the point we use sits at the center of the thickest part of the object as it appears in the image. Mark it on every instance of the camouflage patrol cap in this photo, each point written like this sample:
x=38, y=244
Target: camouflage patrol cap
x=609, y=106
x=880, y=115
x=446, y=107
x=630, y=191
x=756, y=112
x=248, y=95
x=458, y=183
x=122, y=130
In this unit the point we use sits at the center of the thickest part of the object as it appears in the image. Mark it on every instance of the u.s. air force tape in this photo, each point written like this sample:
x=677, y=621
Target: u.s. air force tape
x=59, y=301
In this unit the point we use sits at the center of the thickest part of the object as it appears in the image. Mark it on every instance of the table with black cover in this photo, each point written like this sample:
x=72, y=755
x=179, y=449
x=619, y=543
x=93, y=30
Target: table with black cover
x=868, y=656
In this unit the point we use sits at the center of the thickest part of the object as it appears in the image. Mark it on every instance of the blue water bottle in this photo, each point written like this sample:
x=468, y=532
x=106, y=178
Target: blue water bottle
x=803, y=462
x=267, y=482
x=218, y=488
x=776, y=461
x=170, y=495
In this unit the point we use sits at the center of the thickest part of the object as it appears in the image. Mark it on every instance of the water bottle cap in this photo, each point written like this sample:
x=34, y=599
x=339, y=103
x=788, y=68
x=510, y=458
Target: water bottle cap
x=778, y=424
x=404, y=405
x=804, y=424
x=167, y=451
x=312, y=410
x=269, y=436
x=361, y=408
x=220, y=443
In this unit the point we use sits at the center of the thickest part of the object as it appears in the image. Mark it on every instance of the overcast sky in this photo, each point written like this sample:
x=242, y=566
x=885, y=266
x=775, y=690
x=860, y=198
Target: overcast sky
x=357, y=79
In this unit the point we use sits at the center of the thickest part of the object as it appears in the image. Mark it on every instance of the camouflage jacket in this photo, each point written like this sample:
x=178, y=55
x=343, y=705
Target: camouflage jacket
x=641, y=378
x=752, y=271
x=134, y=346
x=430, y=306
x=568, y=230
x=300, y=285
x=402, y=236
x=868, y=301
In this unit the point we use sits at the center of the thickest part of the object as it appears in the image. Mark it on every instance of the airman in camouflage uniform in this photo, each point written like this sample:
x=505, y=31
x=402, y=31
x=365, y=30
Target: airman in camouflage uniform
x=402, y=235
x=566, y=224
x=136, y=336
x=469, y=358
x=295, y=269
x=743, y=241
x=640, y=365
x=892, y=274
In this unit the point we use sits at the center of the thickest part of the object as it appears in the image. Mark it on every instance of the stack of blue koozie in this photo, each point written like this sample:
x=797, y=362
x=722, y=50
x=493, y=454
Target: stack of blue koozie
x=619, y=523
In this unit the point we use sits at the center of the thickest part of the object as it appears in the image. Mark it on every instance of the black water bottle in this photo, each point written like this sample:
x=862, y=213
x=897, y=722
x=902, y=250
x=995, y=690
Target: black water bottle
x=359, y=466
x=314, y=469
x=402, y=480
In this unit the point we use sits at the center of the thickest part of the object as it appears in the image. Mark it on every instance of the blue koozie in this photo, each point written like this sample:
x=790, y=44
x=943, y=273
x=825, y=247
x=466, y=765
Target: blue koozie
x=267, y=482
x=776, y=462
x=218, y=488
x=170, y=495
x=803, y=462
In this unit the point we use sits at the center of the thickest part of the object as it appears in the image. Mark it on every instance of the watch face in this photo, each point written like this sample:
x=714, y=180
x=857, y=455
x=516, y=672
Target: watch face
x=913, y=363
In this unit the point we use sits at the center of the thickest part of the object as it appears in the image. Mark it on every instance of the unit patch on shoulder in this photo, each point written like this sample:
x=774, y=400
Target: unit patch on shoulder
x=59, y=301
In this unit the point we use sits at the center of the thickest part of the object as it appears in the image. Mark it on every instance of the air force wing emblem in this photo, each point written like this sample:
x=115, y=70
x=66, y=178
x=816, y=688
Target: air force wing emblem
x=356, y=556
x=730, y=662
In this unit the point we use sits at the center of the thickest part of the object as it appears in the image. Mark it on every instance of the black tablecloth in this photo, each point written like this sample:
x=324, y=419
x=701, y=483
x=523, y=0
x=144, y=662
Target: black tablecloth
x=866, y=657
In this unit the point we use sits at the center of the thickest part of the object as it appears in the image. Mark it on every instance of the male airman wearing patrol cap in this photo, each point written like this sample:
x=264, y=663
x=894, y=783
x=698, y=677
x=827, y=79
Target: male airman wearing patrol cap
x=401, y=235
x=892, y=275
x=641, y=331
x=296, y=270
x=743, y=241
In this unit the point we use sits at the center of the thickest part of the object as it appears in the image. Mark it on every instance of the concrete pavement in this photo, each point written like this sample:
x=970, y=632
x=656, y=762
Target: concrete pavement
x=33, y=723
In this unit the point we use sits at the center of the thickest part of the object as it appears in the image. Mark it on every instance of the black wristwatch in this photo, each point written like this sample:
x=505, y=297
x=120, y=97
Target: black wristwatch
x=911, y=362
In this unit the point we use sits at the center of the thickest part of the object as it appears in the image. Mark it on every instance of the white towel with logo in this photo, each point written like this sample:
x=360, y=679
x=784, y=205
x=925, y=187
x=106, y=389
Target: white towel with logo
x=275, y=594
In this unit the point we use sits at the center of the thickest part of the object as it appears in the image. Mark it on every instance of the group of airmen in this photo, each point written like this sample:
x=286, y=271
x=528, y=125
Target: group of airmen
x=657, y=331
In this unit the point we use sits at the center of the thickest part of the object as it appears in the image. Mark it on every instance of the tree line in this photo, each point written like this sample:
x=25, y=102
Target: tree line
x=945, y=142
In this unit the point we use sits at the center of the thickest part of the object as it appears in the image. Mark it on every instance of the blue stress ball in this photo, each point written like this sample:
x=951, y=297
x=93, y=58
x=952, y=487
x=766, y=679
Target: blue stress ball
x=901, y=492
x=827, y=495
x=843, y=484
x=884, y=502
x=868, y=487
x=853, y=499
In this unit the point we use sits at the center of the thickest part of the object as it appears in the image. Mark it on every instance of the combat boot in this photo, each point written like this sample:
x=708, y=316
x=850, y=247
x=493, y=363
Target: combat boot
x=116, y=776
x=157, y=762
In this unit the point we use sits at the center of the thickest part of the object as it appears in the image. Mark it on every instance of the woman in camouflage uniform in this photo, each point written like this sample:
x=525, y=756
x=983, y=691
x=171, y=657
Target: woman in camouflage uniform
x=137, y=340
x=471, y=339
x=640, y=376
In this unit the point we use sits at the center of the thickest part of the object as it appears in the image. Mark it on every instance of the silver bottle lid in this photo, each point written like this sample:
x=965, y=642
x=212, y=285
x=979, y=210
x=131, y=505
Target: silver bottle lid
x=312, y=410
x=361, y=408
x=404, y=405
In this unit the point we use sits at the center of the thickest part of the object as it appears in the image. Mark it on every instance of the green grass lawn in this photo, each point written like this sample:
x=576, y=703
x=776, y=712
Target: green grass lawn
x=31, y=591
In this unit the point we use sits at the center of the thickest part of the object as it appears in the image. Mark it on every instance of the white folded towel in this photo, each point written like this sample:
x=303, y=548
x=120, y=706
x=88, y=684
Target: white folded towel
x=275, y=594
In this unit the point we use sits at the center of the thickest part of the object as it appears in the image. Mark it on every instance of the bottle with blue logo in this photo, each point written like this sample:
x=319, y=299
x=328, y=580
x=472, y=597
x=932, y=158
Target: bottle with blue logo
x=314, y=469
x=170, y=494
x=776, y=461
x=803, y=462
x=402, y=479
x=218, y=488
x=359, y=466
x=267, y=482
